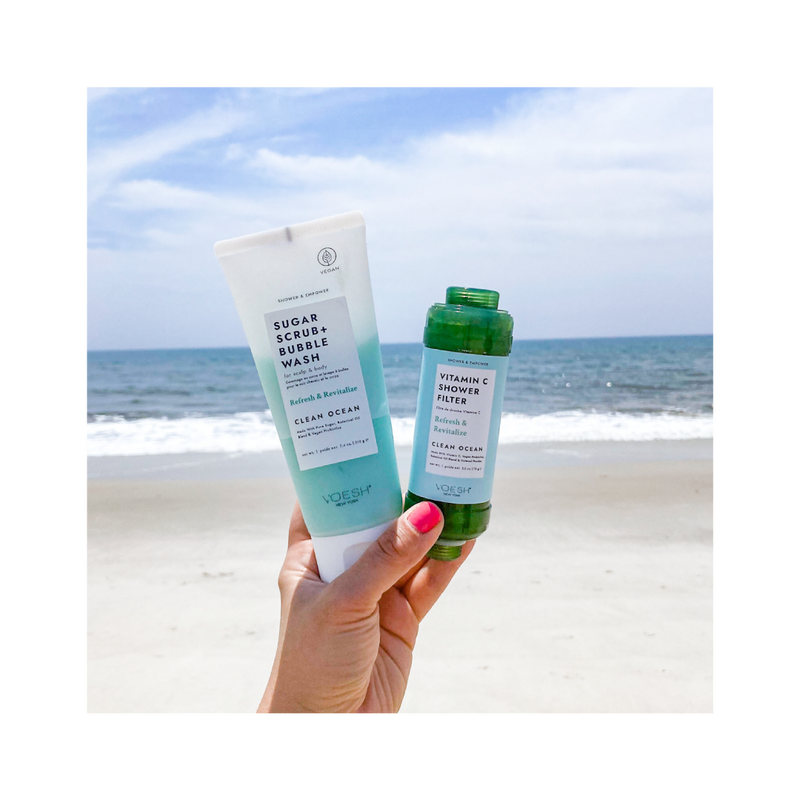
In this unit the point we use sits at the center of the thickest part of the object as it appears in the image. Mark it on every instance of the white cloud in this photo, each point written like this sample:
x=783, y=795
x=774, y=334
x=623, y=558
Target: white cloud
x=110, y=164
x=152, y=194
x=318, y=170
x=589, y=210
x=590, y=164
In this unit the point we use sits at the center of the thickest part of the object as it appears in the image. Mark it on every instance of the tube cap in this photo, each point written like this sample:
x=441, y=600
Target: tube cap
x=469, y=322
x=464, y=296
x=335, y=554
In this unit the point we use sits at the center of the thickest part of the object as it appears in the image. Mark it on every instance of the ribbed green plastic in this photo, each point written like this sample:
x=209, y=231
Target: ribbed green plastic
x=442, y=552
x=481, y=298
x=469, y=322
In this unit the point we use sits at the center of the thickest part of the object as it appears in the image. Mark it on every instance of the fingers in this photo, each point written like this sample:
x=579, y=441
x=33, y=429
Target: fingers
x=299, y=552
x=397, y=558
x=426, y=586
x=400, y=547
x=298, y=531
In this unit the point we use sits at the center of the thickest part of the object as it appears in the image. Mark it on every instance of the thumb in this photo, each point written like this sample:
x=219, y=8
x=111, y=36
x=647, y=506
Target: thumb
x=399, y=548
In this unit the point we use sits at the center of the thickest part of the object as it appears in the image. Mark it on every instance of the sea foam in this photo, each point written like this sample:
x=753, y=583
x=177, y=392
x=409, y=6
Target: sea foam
x=254, y=432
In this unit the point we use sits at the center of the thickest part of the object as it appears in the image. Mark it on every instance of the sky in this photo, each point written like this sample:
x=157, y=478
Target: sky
x=589, y=210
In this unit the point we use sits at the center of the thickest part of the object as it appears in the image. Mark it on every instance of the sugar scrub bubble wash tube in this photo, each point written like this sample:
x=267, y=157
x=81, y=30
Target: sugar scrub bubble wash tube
x=304, y=298
x=467, y=342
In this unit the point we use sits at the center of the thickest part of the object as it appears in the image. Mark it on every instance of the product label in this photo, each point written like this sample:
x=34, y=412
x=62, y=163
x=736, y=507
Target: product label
x=461, y=411
x=458, y=423
x=321, y=383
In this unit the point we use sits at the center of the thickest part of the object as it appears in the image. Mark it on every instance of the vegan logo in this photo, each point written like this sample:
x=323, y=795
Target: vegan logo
x=326, y=256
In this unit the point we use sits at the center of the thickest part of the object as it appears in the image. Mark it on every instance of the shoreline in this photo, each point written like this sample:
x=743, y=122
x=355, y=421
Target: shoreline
x=271, y=464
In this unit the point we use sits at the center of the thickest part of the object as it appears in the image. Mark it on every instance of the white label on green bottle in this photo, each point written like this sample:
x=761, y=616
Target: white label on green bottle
x=458, y=425
x=321, y=383
x=461, y=414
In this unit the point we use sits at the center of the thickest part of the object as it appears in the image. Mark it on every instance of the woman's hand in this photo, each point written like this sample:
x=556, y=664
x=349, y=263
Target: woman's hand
x=346, y=646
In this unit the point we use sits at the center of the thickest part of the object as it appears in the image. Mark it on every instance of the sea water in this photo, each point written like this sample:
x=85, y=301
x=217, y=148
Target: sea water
x=143, y=402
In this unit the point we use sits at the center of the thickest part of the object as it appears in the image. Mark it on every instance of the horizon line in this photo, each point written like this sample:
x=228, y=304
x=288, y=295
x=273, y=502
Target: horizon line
x=540, y=339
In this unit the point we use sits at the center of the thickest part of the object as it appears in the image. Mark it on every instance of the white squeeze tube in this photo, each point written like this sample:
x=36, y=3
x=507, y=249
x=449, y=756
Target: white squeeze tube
x=304, y=297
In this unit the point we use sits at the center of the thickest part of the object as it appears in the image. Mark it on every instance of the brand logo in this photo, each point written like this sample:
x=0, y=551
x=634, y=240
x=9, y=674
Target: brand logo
x=347, y=496
x=452, y=488
x=326, y=256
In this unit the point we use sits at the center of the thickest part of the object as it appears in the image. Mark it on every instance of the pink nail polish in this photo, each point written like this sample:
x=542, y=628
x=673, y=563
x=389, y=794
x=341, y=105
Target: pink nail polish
x=424, y=516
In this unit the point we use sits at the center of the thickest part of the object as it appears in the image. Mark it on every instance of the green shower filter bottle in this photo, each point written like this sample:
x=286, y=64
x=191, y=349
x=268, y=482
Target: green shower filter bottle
x=467, y=342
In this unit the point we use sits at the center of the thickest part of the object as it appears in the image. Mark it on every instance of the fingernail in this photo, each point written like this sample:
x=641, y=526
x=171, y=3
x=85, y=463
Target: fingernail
x=424, y=516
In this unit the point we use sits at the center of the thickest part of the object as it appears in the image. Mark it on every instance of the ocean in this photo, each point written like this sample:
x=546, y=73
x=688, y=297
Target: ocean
x=150, y=402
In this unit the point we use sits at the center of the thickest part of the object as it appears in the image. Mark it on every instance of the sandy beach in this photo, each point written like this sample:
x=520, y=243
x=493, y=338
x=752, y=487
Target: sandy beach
x=590, y=592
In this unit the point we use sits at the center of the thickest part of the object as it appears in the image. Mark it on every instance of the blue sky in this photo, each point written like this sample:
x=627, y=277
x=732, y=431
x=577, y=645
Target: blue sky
x=590, y=211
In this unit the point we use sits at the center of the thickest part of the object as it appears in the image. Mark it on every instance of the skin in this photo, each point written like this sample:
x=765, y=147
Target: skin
x=347, y=646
